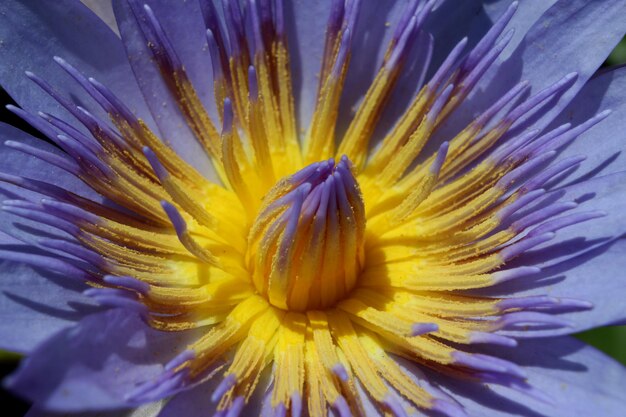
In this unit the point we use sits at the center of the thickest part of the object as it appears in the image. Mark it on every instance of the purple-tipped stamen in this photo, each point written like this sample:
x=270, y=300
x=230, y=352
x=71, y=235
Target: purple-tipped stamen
x=480, y=362
x=447, y=66
x=80, y=153
x=565, y=221
x=180, y=359
x=521, y=202
x=213, y=23
x=342, y=55
x=234, y=25
x=236, y=407
x=71, y=132
x=510, y=96
x=395, y=406
x=115, y=105
x=487, y=42
x=280, y=19
x=257, y=37
x=569, y=136
x=36, y=213
x=296, y=405
x=49, y=157
x=542, y=215
x=253, y=84
x=527, y=168
x=439, y=104
x=110, y=292
x=36, y=186
x=61, y=266
x=224, y=386
x=552, y=171
x=128, y=282
x=524, y=245
x=69, y=212
x=543, y=95
x=514, y=273
x=340, y=371
x=525, y=319
x=419, y=329
x=341, y=406
x=161, y=48
x=469, y=80
x=476, y=337
x=526, y=149
x=175, y=218
x=542, y=302
x=227, y=123
x=156, y=165
x=408, y=14
x=400, y=49
x=214, y=52
x=75, y=250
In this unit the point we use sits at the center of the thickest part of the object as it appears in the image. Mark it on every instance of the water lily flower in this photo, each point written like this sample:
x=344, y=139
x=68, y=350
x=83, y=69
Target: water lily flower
x=321, y=207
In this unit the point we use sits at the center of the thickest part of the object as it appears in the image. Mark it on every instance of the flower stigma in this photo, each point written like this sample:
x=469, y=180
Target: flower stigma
x=306, y=246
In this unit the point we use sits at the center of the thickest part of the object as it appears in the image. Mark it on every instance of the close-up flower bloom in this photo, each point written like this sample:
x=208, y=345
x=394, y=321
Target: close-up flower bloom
x=318, y=208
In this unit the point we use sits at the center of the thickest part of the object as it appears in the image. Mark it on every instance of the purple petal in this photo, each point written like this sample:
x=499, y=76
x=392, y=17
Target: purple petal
x=605, y=195
x=305, y=28
x=527, y=14
x=32, y=34
x=183, y=25
x=585, y=261
x=597, y=276
x=604, y=144
x=571, y=36
x=376, y=24
x=195, y=402
x=375, y=27
x=18, y=163
x=35, y=305
x=148, y=410
x=104, y=10
x=575, y=379
x=95, y=364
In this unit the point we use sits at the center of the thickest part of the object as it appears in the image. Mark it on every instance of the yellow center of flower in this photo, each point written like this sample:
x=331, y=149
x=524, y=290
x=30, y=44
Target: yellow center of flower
x=305, y=249
x=266, y=261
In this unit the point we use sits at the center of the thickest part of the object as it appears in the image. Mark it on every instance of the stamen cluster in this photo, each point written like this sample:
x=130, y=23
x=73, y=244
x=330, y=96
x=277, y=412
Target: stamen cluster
x=321, y=273
x=306, y=247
